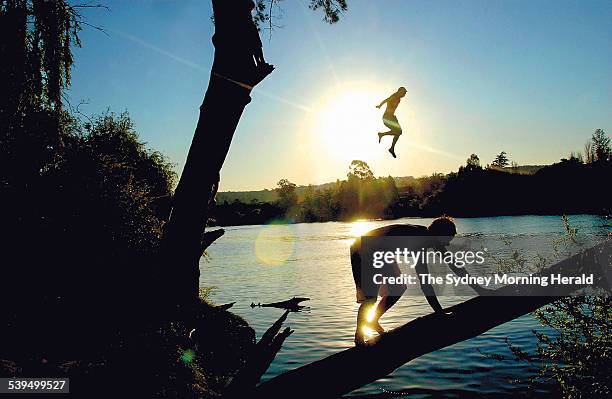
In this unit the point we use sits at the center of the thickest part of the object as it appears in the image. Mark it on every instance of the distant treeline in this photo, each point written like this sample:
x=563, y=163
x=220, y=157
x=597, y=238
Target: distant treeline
x=576, y=184
x=271, y=195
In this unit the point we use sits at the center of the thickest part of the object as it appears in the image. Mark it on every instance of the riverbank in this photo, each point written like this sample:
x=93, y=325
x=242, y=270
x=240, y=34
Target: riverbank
x=263, y=221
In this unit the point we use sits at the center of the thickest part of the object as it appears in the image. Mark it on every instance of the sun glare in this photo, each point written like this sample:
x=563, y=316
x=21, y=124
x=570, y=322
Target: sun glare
x=348, y=122
x=359, y=227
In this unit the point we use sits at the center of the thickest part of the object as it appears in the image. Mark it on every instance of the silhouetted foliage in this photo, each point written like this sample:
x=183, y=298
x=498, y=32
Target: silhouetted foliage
x=83, y=243
x=601, y=146
x=35, y=62
x=577, y=355
x=287, y=198
x=473, y=162
x=573, y=349
x=267, y=11
x=240, y=213
x=36, y=39
x=85, y=205
x=501, y=160
x=360, y=170
x=589, y=153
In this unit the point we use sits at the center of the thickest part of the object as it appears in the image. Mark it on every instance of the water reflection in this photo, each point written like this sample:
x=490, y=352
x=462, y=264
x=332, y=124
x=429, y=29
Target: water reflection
x=359, y=227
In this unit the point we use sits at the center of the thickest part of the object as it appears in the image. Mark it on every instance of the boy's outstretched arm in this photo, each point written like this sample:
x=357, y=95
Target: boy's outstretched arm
x=383, y=102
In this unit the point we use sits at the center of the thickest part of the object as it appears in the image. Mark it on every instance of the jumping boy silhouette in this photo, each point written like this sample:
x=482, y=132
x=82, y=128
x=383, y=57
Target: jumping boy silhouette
x=389, y=118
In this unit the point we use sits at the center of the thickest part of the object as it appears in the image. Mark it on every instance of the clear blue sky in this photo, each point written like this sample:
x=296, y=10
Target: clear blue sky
x=532, y=78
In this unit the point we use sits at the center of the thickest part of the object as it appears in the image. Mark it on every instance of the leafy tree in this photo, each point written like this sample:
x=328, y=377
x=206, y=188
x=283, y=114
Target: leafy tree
x=36, y=41
x=360, y=170
x=287, y=197
x=601, y=146
x=575, y=157
x=501, y=160
x=589, y=152
x=473, y=162
x=267, y=11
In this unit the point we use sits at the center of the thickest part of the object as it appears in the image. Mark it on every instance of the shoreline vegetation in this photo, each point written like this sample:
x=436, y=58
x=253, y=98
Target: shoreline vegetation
x=574, y=185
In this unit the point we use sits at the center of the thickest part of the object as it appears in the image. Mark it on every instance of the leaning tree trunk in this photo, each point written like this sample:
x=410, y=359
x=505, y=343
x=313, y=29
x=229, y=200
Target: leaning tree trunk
x=220, y=112
x=348, y=370
x=227, y=95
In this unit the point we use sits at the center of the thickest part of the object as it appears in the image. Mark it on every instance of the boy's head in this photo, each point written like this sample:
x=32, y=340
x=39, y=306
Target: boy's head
x=443, y=229
x=402, y=91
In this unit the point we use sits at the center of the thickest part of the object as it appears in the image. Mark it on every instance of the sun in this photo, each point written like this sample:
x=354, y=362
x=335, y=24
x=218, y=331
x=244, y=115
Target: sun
x=347, y=122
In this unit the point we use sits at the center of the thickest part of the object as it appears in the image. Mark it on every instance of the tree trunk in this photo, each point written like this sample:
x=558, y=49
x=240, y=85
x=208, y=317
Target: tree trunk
x=220, y=112
x=348, y=370
x=232, y=77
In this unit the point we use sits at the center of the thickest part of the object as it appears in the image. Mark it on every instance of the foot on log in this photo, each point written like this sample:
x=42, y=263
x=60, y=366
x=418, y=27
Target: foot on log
x=360, y=339
x=375, y=325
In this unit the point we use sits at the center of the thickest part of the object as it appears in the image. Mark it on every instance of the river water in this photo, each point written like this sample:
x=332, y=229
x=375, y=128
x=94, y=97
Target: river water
x=268, y=263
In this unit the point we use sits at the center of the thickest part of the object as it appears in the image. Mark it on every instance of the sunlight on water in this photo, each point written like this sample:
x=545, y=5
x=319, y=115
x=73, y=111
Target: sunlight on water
x=359, y=227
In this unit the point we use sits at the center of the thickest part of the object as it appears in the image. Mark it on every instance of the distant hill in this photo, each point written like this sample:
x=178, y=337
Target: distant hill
x=269, y=195
x=247, y=196
x=521, y=169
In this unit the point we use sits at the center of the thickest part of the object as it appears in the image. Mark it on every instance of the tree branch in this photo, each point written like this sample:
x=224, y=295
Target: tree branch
x=209, y=237
x=259, y=360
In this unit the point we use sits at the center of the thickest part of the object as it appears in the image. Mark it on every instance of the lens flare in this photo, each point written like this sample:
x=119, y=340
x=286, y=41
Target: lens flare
x=188, y=356
x=367, y=332
x=275, y=244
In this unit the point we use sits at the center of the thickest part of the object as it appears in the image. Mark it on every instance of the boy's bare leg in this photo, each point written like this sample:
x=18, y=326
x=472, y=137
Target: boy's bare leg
x=382, y=134
x=385, y=304
x=390, y=295
x=395, y=138
x=362, y=319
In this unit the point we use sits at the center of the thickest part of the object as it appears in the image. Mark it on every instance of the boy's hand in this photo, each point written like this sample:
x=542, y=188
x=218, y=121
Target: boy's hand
x=378, y=106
